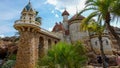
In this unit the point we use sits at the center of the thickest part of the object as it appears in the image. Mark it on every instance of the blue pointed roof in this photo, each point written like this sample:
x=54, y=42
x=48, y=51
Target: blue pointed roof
x=28, y=6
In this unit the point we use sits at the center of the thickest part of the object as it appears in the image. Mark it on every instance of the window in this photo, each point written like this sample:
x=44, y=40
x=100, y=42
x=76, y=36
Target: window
x=106, y=42
x=49, y=43
x=55, y=42
x=30, y=18
x=96, y=43
x=30, y=14
x=23, y=17
x=24, y=14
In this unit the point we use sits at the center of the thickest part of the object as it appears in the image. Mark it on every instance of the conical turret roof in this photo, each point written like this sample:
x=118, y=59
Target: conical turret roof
x=65, y=13
x=28, y=7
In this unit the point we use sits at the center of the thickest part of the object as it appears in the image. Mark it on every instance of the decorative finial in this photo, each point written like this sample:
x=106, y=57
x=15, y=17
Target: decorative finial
x=29, y=1
x=65, y=8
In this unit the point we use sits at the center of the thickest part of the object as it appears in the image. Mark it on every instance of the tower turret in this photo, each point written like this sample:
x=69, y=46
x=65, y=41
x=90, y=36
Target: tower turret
x=28, y=15
x=29, y=29
x=65, y=15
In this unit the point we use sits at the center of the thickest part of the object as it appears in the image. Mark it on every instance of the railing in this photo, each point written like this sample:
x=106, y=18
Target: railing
x=37, y=24
x=27, y=22
x=48, y=32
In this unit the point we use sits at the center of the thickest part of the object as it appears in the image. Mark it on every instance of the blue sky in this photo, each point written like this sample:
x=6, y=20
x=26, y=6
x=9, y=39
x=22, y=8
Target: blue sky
x=49, y=10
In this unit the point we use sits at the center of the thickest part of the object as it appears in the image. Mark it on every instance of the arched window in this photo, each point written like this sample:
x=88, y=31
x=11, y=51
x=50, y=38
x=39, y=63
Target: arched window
x=41, y=42
x=49, y=43
x=55, y=42
x=23, y=17
x=96, y=43
x=107, y=42
x=30, y=18
x=40, y=47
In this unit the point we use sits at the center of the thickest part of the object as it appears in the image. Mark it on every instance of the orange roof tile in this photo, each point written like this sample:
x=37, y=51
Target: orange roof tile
x=76, y=17
x=58, y=27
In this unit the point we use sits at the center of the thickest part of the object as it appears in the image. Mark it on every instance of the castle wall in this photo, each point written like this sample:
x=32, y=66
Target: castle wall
x=27, y=50
x=76, y=33
x=60, y=35
x=106, y=45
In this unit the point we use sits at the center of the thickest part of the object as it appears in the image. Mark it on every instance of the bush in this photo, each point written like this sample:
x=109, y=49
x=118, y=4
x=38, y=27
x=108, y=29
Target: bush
x=12, y=57
x=66, y=55
x=9, y=64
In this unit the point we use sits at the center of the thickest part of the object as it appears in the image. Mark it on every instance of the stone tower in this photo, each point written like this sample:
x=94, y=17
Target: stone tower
x=65, y=15
x=29, y=29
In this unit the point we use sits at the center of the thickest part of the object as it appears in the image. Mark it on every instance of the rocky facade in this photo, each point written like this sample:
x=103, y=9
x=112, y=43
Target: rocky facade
x=27, y=50
x=34, y=41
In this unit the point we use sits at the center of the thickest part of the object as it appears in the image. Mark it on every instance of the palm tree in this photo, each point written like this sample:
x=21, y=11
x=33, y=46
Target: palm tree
x=87, y=27
x=98, y=29
x=104, y=10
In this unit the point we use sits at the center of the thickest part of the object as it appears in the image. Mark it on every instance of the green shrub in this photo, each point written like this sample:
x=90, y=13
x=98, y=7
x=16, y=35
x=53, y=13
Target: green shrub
x=66, y=55
x=9, y=64
x=12, y=57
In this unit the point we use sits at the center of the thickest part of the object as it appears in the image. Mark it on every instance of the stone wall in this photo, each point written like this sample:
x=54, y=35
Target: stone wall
x=27, y=50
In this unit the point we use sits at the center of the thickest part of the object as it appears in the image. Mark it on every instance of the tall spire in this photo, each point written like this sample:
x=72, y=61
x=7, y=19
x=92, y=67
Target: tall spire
x=76, y=10
x=28, y=7
x=29, y=1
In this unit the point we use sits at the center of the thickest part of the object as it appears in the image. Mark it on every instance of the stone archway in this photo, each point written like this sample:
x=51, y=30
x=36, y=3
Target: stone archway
x=41, y=47
x=55, y=42
x=49, y=43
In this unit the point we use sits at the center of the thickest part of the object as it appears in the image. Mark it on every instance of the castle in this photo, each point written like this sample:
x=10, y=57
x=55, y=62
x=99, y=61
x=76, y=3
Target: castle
x=35, y=41
x=69, y=30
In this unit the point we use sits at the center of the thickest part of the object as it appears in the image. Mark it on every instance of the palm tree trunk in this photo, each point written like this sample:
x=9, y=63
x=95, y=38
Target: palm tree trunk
x=91, y=44
x=111, y=29
x=102, y=51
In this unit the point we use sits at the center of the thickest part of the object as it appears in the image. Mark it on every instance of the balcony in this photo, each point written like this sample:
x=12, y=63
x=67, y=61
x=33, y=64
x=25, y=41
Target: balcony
x=48, y=32
x=27, y=22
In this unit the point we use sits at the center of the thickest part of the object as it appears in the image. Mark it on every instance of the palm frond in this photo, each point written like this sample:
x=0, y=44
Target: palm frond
x=116, y=8
x=99, y=19
x=86, y=21
x=90, y=1
x=90, y=8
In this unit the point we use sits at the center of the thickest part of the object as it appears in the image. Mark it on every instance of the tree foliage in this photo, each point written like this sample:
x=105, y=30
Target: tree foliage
x=95, y=28
x=66, y=55
x=104, y=11
x=9, y=64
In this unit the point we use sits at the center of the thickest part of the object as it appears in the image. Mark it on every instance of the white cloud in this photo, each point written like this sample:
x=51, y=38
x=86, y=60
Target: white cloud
x=54, y=2
x=70, y=5
x=50, y=29
x=53, y=11
x=56, y=15
x=2, y=36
